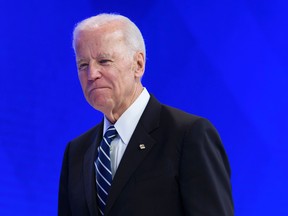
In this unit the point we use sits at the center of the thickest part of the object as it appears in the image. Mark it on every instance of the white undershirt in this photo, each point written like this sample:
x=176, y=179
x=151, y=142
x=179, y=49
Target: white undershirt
x=125, y=127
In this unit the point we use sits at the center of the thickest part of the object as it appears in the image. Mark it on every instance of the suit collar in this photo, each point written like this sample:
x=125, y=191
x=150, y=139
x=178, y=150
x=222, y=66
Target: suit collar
x=129, y=119
x=134, y=155
x=89, y=170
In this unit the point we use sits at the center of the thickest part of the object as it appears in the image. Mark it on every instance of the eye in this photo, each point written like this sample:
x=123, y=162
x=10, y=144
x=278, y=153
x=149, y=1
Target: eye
x=82, y=66
x=105, y=61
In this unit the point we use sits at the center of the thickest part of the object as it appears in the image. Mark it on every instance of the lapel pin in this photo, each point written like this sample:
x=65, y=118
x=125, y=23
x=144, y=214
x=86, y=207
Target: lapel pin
x=142, y=146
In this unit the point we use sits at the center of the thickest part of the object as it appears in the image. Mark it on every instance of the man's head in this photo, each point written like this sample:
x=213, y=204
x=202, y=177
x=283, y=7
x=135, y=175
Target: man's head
x=110, y=55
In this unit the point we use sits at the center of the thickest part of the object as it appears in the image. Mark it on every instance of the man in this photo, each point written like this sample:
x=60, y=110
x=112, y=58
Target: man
x=144, y=158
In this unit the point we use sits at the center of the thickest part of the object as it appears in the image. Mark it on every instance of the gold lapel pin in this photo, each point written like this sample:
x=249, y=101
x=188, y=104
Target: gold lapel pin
x=142, y=146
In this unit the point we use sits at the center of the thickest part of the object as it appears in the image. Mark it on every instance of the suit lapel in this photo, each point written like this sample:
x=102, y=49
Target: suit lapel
x=89, y=172
x=134, y=155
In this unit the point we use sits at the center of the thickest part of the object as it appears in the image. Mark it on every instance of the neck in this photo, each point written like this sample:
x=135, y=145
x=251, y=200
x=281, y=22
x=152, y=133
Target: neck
x=114, y=115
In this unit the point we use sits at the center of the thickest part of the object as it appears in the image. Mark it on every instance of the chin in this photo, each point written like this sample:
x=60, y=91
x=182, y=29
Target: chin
x=101, y=104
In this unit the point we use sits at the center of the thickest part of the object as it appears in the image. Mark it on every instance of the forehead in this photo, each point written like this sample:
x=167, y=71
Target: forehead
x=112, y=30
x=101, y=38
x=98, y=35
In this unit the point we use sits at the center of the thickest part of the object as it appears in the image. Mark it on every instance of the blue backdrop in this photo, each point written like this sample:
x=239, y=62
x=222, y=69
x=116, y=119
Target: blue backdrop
x=225, y=60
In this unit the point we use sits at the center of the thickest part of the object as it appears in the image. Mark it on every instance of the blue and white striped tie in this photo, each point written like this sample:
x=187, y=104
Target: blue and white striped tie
x=103, y=168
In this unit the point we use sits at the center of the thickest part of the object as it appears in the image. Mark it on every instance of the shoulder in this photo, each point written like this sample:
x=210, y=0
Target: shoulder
x=80, y=144
x=87, y=134
x=175, y=119
x=173, y=112
x=181, y=118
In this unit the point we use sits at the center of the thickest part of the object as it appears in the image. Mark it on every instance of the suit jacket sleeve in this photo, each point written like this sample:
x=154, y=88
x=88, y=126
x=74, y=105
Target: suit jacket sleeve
x=63, y=201
x=204, y=173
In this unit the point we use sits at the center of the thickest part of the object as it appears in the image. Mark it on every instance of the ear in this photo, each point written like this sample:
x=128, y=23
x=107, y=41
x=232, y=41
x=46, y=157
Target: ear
x=140, y=64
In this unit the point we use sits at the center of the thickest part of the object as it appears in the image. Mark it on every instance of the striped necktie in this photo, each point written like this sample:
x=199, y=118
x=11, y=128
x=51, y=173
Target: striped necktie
x=103, y=169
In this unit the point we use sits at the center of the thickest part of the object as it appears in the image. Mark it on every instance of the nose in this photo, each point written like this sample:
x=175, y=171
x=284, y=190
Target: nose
x=93, y=72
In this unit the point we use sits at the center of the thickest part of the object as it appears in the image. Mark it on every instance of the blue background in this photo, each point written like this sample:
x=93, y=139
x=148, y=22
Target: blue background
x=225, y=60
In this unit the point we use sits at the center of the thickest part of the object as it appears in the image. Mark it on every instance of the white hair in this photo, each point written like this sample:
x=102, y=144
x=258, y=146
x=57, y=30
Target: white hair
x=132, y=34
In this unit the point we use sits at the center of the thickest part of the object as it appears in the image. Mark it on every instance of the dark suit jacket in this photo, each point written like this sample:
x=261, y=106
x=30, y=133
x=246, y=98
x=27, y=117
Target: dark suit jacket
x=182, y=171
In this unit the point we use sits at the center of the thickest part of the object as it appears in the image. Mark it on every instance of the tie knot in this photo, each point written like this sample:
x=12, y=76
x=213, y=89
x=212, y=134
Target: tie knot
x=111, y=133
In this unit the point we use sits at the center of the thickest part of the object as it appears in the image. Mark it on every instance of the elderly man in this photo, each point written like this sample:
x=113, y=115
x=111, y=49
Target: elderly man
x=144, y=158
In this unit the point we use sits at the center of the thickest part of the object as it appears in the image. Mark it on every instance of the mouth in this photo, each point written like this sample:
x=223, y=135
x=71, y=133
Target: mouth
x=96, y=89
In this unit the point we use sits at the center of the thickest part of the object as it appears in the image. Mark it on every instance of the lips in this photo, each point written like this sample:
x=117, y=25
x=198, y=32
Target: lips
x=92, y=89
x=97, y=88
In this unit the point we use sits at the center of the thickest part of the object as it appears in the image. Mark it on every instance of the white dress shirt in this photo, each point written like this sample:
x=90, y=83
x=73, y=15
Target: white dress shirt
x=125, y=127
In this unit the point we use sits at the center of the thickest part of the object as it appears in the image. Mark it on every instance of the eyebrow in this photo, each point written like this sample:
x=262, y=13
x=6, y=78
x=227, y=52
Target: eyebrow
x=78, y=61
x=99, y=55
x=104, y=55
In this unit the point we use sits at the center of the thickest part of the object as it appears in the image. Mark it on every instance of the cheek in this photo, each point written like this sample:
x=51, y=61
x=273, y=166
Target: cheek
x=127, y=84
x=122, y=79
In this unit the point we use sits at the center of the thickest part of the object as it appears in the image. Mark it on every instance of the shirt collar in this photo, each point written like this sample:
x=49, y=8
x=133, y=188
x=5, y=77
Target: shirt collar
x=128, y=121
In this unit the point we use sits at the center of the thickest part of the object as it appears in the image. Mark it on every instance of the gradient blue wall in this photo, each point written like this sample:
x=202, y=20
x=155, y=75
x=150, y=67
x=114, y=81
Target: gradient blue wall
x=225, y=60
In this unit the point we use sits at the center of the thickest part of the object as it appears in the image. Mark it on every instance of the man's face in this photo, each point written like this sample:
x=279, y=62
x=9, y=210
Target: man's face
x=106, y=69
